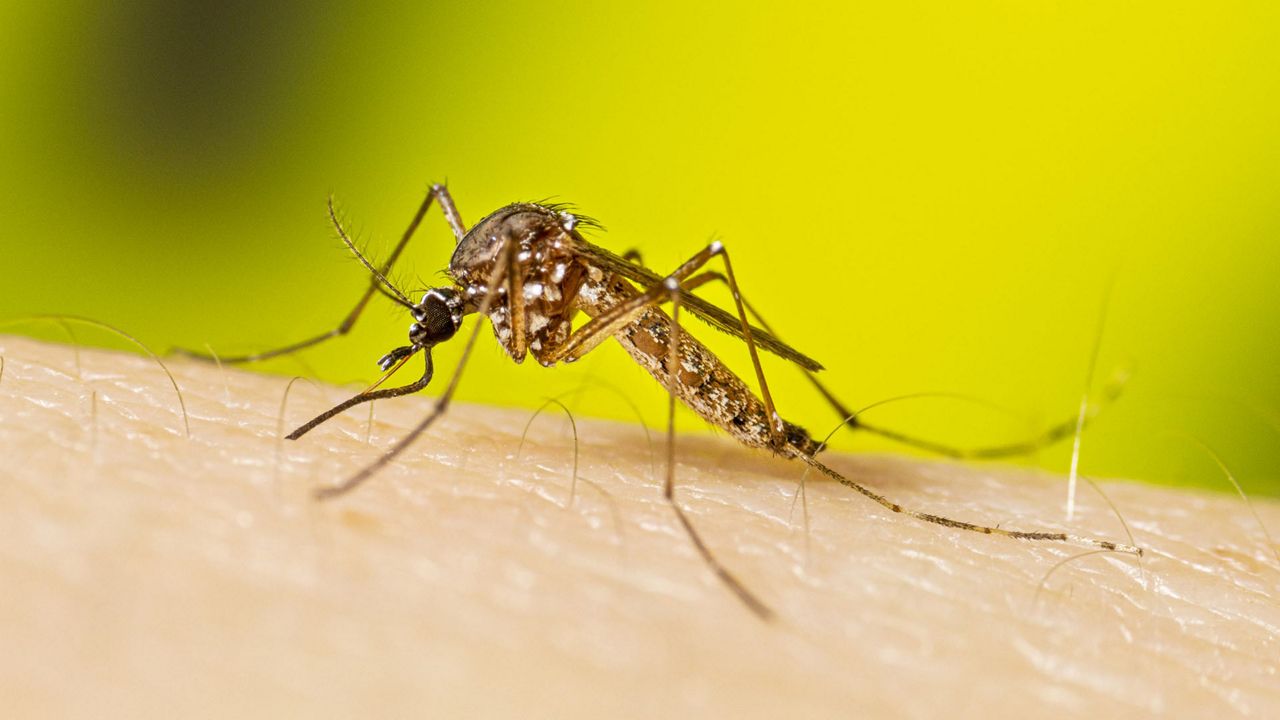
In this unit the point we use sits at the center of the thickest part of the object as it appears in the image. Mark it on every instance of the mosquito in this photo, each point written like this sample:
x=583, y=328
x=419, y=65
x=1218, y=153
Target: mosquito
x=528, y=268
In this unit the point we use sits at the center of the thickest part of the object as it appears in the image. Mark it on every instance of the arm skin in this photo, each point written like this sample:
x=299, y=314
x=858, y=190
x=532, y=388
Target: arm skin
x=146, y=574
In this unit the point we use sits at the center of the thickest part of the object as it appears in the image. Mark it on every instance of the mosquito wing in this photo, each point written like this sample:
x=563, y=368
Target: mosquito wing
x=708, y=313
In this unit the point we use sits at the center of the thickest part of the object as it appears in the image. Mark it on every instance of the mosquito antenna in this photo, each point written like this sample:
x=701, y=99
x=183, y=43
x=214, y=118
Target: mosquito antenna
x=395, y=298
x=346, y=240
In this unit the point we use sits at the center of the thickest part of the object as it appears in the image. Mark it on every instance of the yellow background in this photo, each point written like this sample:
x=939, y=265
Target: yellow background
x=923, y=196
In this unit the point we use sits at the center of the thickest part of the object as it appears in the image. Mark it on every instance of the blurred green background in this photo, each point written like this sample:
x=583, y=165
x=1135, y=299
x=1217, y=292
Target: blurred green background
x=923, y=197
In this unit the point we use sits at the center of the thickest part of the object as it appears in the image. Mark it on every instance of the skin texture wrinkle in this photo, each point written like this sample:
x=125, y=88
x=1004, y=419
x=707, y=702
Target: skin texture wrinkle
x=146, y=574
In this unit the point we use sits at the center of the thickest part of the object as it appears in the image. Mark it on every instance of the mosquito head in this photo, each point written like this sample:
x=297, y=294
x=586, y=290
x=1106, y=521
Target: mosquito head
x=438, y=317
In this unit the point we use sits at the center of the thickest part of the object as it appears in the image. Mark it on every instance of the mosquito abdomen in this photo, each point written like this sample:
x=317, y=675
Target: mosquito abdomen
x=703, y=383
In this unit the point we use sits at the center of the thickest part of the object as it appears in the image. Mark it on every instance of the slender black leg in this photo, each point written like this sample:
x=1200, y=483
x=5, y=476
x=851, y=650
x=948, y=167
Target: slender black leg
x=747, y=597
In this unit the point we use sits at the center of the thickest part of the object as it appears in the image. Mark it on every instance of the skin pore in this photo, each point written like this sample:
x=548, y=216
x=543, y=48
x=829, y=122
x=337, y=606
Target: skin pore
x=148, y=573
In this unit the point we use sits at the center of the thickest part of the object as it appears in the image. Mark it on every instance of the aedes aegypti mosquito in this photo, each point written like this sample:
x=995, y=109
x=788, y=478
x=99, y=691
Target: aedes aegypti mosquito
x=528, y=268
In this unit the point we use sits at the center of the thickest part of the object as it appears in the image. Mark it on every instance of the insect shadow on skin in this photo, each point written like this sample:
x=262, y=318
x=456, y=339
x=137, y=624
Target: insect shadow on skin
x=529, y=270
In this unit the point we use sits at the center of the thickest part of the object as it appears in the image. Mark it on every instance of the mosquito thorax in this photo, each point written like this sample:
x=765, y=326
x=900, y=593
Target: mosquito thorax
x=530, y=224
x=438, y=316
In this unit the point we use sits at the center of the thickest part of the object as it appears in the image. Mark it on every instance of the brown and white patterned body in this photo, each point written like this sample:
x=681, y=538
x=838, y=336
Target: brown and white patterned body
x=530, y=271
x=550, y=276
x=703, y=383
x=559, y=278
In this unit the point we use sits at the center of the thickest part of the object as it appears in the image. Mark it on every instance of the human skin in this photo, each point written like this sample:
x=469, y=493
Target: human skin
x=146, y=573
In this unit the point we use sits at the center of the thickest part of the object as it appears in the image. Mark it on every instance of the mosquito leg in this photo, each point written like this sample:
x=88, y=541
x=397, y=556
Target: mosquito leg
x=377, y=283
x=516, y=303
x=589, y=336
x=960, y=524
x=509, y=248
x=748, y=598
x=1050, y=436
x=449, y=209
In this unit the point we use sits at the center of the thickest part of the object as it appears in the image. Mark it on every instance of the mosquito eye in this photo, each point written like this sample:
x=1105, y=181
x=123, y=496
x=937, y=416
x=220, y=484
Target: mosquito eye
x=437, y=321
